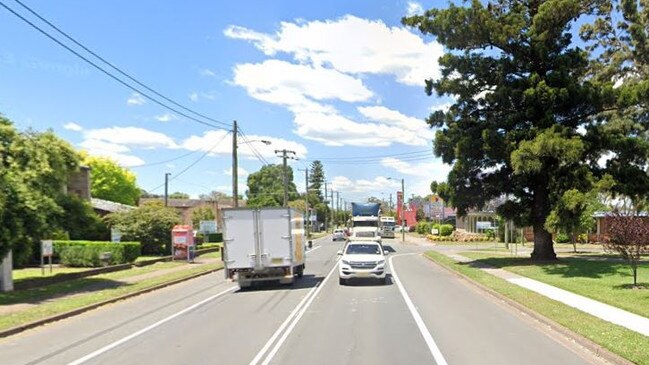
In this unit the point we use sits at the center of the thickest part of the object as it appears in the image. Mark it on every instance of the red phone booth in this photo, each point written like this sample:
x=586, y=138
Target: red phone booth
x=182, y=240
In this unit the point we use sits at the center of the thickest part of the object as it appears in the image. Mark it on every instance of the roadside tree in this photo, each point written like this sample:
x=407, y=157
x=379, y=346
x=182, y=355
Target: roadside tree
x=178, y=195
x=202, y=214
x=149, y=224
x=112, y=182
x=522, y=98
x=629, y=236
x=573, y=214
x=266, y=187
x=316, y=179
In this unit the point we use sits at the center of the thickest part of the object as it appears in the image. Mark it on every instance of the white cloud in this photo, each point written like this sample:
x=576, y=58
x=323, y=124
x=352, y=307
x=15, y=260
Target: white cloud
x=131, y=136
x=166, y=117
x=72, y=126
x=443, y=107
x=352, y=45
x=242, y=172
x=414, y=8
x=435, y=170
x=391, y=117
x=196, y=96
x=136, y=99
x=114, y=151
x=193, y=96
x=364, y=186
x=285, y=83
x=219, y=144
x=207, y=72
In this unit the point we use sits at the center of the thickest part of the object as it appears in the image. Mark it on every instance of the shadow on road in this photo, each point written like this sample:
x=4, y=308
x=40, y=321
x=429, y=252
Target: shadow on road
x=369, y=281
x=305, y=282
x=59, y=290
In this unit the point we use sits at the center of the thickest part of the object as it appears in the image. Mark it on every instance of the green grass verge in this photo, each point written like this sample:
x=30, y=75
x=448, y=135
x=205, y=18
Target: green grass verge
x=605, y=281
x=626, y=343
x=36, y=272
x=94, y=289
x=211, y=255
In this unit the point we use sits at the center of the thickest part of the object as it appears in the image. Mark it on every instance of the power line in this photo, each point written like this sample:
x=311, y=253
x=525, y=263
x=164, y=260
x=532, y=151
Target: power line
x=192, y=164
x=165, y=161
x=370, y=156
x=107, y=73
x=379, y=161
x=259, y=156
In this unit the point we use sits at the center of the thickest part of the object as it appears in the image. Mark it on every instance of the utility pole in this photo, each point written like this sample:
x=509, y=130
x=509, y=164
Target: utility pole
x=338, y=201
x=235, y=167
x=333, y=212
x=167, y=188
x=325, y=199
x=307, y=214
x=285, y=155
x=403, y=211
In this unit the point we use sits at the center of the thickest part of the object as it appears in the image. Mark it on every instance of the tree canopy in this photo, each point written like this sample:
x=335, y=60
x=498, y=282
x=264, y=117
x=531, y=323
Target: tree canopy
x=111, y=181
x=523, y=100
x=178, y=195
x=34, y=169
x=266, y=187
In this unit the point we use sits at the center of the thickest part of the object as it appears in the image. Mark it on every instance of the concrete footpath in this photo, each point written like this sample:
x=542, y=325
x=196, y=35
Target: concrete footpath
x=595, y=308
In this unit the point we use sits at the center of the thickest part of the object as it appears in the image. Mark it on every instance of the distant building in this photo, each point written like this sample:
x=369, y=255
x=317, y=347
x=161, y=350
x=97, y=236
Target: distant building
x=187, y=206
x=104, y=207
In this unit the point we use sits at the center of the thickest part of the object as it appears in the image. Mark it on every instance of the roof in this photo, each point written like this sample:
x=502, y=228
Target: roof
x=602, y=214
x=109, y=206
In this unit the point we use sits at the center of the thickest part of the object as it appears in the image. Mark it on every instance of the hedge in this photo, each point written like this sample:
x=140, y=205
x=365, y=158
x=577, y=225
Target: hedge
x=87, y=253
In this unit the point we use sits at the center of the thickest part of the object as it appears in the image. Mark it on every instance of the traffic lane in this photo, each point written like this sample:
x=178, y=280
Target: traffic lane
x=63, y=340
x=231, y=329
x=470, y=327
x=360, y=323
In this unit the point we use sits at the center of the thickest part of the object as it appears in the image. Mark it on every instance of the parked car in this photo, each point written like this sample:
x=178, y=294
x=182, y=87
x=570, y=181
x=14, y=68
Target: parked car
x=362, y=259
x=338, y=234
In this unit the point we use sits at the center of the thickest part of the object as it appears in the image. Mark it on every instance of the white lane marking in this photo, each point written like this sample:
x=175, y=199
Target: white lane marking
x=279, y=343
x=432, y=346
x=313, y=249
x=148, y=328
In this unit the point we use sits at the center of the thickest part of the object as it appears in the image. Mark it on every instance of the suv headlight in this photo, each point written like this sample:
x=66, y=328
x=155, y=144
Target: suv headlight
x=380, y=262
x=345, y=262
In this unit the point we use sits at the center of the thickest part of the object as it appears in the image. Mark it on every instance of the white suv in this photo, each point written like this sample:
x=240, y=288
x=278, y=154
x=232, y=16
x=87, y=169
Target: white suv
x=338, y=234
x=362, y=259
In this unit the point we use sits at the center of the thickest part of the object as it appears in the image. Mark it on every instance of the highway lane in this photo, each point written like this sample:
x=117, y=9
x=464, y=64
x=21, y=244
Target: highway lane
x=314, y=322
x=234, y=325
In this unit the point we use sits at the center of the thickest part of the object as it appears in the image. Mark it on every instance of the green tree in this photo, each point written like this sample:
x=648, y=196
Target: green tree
x=299, y=204
x=522, y=96
x=178, y=195
x=266, y=187
x=316, y=179
x=202, y=214
x=149, y=224
x=34, y=170
x=112, y=182
x=573, y=214
x=214, y=195
x=80, y=221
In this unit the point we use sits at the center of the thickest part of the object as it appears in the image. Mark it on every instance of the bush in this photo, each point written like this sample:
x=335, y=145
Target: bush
x=562, y=238
x=445, y=230
x=87, y=253
x=421, y=228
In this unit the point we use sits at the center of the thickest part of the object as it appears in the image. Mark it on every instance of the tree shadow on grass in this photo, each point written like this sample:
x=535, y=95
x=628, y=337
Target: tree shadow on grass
x=566, y=267
x=60, y=290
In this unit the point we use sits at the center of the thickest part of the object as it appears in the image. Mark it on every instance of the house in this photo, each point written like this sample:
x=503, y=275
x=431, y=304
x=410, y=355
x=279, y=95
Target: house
x=603, y=220
x=187, y=206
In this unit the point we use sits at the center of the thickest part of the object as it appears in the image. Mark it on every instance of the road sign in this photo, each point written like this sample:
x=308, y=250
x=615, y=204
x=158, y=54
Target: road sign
x=207, y=226
x=115, y=235
x=47, y=248
x=483, y=225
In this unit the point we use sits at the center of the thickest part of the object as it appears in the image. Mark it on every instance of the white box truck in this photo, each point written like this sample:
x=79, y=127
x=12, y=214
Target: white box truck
x=263, y=244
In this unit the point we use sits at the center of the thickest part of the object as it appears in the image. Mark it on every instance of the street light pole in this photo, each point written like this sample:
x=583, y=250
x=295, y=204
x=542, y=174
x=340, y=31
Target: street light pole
x=167, y=188
x=403, y=211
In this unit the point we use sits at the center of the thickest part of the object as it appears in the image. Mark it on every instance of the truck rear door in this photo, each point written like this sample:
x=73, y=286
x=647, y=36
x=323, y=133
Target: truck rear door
x=240, y=238
x=275, y=233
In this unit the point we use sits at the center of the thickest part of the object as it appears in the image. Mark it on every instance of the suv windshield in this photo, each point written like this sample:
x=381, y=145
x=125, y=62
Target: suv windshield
x=363, y=249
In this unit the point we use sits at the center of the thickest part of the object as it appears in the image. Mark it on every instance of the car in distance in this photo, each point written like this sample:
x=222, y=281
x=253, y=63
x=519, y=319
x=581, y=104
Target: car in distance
x=338, y=234
x=362, y=259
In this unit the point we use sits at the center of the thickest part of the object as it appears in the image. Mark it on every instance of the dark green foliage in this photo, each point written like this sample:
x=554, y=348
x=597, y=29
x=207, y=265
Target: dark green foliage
x=522, y=95
x=446, y=230
x=316, y=180
x=150, y=224
x=87, y=253
x=202, y=214
x=266, y=187
x=80, y=221
x=562, y=238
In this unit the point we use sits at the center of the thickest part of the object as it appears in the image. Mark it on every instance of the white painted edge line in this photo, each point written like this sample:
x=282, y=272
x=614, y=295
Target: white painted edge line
x=313, y=249
x=288, y=331
x=148, y=328
x=432, y=346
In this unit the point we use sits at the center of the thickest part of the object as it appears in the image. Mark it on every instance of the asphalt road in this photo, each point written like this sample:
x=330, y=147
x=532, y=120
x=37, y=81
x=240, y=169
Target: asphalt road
x=424, y=315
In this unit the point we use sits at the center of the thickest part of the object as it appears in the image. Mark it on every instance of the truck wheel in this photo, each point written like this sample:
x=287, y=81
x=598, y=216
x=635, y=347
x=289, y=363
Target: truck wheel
x=342, y=281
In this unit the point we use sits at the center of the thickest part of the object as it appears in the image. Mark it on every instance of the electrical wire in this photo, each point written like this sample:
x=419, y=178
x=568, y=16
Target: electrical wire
x=107, y=73
x=259, y=156
x=166, y=161
x=370, y=156
x=192, y=164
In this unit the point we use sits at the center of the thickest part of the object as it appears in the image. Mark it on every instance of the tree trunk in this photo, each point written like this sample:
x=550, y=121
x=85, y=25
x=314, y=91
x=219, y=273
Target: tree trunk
x=634, y=267
x=543, y=247
x=573, y=240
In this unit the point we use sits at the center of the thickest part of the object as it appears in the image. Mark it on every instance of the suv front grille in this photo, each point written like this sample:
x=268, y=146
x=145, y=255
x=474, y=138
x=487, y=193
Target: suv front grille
x=362, y=264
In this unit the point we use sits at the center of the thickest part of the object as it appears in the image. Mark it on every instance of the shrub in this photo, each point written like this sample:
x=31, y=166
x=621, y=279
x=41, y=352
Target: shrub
x=421, y=227
x=87, y=253
x=562, y=238
x=445, y=230
x=582, y=238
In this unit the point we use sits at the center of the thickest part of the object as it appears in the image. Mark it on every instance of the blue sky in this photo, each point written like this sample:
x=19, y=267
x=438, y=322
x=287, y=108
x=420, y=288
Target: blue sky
x=330, y=80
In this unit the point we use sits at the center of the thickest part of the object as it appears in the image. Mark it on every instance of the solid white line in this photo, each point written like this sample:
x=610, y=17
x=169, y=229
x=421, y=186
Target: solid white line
x=313, y=249
x=272, y=339
x=288, y=331
x=148, y=328
x=432, y=346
